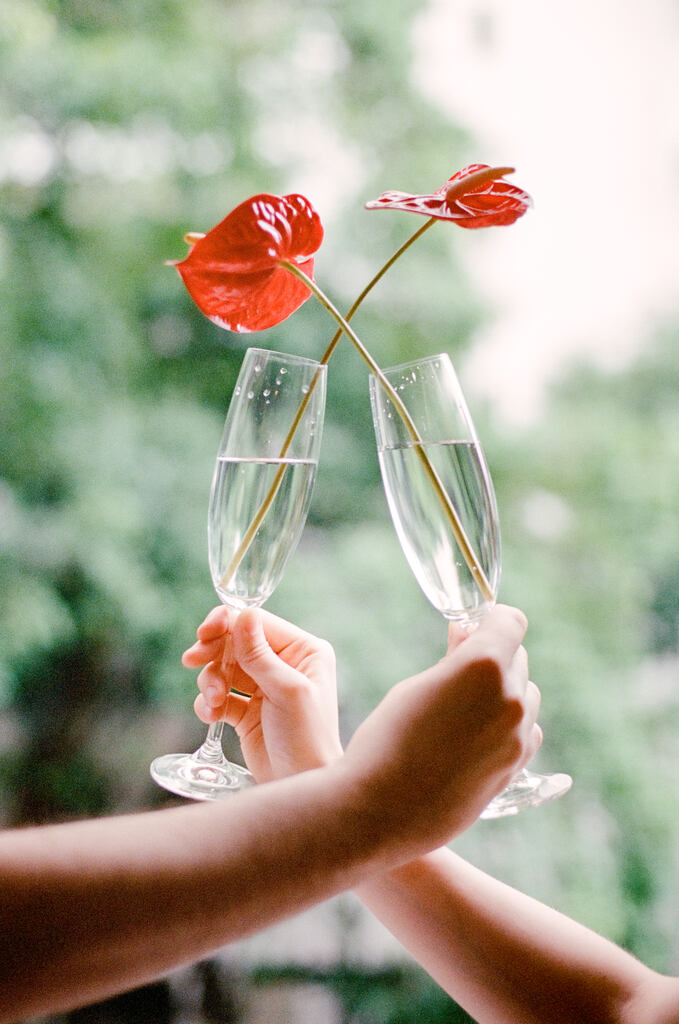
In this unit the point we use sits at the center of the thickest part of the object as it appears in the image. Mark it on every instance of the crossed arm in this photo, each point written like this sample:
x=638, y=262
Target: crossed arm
x=507, y=958
x=92, y=908
x=504, y=957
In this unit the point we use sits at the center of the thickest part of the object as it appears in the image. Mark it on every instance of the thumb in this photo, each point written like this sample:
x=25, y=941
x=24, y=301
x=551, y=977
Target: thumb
x=256, y=657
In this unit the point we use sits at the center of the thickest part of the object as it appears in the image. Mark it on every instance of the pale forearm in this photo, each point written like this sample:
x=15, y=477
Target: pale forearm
x=505, y=957
x=89, y=909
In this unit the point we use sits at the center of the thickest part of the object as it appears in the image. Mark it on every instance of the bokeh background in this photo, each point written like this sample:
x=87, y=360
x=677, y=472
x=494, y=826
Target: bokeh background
x=124, y=125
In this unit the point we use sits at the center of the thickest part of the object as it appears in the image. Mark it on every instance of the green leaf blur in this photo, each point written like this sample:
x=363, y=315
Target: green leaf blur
x=122, y=126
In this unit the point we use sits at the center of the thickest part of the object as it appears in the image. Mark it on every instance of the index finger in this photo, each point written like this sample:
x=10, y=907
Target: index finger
x=201, y=653
x=214, y=625
x=210, y=635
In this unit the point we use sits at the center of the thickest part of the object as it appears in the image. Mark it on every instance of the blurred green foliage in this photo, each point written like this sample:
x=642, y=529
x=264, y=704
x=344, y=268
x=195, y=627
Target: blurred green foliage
x=121, y=127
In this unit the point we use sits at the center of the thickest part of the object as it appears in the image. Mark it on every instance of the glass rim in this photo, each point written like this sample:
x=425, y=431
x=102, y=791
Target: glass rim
x=413, y=362
x=291, y=356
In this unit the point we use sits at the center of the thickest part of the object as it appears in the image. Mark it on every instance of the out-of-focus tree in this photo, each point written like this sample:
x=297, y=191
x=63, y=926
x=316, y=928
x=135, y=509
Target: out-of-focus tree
x=120, y=130
x=123, y=126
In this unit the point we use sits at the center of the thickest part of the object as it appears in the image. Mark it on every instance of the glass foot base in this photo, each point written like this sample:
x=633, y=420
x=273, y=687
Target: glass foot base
x=527, y=790
x=186, y=775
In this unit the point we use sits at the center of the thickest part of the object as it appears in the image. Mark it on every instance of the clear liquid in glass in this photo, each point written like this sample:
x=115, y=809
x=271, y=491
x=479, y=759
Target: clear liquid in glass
x=239, y=487
x=423, y=528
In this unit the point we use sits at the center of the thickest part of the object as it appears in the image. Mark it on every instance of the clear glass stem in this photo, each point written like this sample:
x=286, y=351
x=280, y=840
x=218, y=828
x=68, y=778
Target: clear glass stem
x=211, y=751
x=527, y=789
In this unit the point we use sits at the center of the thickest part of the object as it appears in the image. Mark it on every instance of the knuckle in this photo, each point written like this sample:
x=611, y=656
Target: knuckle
x=514, y=747
x=203, y=712
x=258, y=651
x=488, y=675
x=300, y=689
x=204, y=678
x=516, y=614
x=326, y=650
x=215, y=680
x=521, y=618
x=534, y=695
x=536, y=738
x=514, y=711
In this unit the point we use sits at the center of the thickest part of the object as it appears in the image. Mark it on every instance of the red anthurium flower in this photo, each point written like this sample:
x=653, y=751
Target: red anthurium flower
x=233, y=273
x=473, y=198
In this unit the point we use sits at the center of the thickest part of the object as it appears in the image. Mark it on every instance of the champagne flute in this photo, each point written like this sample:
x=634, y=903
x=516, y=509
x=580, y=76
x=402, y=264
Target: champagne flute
x=455, y=554
x=259, y=499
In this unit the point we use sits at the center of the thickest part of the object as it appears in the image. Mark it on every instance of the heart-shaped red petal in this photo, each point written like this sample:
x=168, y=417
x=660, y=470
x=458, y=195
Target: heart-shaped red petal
x=247, y=302
x=233, y=273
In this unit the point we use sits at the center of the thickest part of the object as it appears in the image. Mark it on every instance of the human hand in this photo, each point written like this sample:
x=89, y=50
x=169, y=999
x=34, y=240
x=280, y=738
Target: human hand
x=285, y=707
x=443, y=743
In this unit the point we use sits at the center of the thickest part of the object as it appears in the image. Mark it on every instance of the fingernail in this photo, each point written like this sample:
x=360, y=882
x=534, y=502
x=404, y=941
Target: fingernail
x=211, y=694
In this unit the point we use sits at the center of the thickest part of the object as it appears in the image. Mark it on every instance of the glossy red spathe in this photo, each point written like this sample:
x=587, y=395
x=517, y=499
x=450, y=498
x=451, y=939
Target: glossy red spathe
x=233, y=273
x=475, y=197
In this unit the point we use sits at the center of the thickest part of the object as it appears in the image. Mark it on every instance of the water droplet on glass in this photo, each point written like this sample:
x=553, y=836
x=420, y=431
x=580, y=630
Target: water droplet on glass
x=237, y=391
x=251, y=394
x=283, y=369
x=305, y=389
x=278, y=381
x=266, y=392
x=258, y=368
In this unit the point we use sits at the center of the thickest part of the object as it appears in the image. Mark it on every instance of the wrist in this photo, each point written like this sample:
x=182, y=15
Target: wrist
x=327, y=820
x=383, y=831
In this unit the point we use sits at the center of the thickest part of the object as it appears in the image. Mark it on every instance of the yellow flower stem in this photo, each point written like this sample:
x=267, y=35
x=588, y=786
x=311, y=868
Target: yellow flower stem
x=325, y=358
x=371, y=284
x=459, y=188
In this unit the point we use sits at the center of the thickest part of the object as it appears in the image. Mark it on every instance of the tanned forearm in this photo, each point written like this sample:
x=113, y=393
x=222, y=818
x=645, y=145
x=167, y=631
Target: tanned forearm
x=89, y=909
x=507, y=958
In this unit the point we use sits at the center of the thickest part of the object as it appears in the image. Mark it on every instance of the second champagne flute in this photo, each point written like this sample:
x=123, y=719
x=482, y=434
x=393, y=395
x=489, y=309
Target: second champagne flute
x=260, y=496
x=453, y=549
